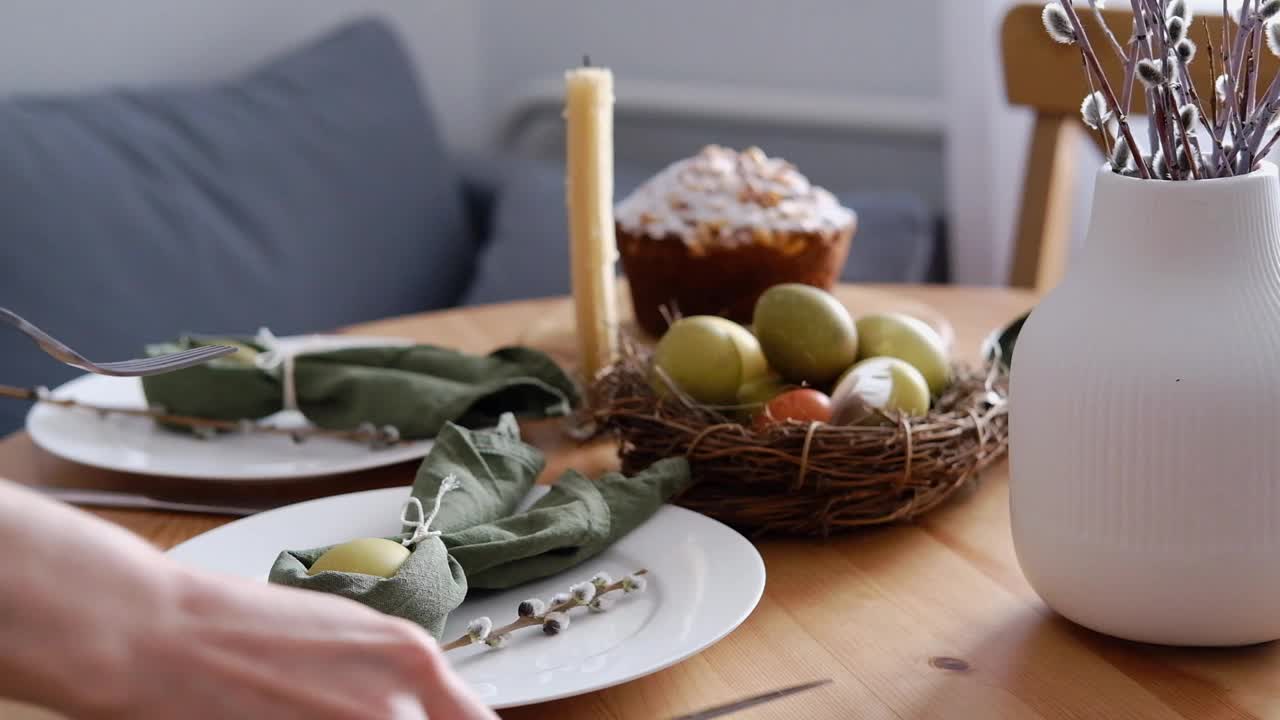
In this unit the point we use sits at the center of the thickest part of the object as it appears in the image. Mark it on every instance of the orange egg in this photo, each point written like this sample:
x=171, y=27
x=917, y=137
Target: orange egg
x=804, y=405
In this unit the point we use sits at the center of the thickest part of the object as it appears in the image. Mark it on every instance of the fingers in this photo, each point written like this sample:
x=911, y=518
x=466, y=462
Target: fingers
x=445, y=695
x=331, y=651
x=449, y=698
x=406, y=706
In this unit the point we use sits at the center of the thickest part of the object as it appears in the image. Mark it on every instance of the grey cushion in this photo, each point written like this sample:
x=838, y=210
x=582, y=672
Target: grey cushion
x=528, y=251
x=308, y=194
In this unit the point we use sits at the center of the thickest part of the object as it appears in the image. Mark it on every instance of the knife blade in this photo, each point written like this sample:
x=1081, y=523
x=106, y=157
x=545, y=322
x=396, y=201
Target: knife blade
x=132, y=501
x=750, y=702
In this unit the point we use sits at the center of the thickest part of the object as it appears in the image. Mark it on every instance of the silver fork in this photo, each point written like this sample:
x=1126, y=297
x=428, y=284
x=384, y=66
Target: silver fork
x=125, y=368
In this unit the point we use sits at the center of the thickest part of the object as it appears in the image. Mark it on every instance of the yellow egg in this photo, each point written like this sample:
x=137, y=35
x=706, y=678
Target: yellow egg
x=883, y=383
x=368, y=556
x=909, y=339
x=709, y=358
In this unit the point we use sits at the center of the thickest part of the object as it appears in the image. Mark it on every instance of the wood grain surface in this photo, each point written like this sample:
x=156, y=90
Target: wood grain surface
x=930, y=620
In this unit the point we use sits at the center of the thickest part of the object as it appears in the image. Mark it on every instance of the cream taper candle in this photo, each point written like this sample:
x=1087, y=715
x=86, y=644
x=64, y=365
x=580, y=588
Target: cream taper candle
x=589, y=196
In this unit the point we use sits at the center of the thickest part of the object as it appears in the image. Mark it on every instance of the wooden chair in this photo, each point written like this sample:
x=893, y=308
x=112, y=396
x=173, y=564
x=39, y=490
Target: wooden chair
x=1049, y=78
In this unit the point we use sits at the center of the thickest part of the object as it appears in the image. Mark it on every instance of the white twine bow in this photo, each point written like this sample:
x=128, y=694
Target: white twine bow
x=422, y=526
x=278, y=355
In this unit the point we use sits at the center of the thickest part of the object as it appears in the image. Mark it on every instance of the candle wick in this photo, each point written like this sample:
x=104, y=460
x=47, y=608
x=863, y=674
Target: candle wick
x=586, y=60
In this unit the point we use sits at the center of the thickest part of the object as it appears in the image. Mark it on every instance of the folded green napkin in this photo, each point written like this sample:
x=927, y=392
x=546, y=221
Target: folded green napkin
x=415, y=389
x=483, y=543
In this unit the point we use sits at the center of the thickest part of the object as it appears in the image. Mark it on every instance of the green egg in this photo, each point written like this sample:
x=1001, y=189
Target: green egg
x=806, y=334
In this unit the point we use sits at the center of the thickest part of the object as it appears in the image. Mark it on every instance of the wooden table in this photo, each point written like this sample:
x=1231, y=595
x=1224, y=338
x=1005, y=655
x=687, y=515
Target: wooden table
x=932, y=620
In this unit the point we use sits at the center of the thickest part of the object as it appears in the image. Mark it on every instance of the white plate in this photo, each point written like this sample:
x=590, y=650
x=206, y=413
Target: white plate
x=704, y=580
x=137, y=445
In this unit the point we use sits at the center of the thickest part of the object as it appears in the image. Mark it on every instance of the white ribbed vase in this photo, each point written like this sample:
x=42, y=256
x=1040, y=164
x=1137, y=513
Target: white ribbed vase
x=1145, y=417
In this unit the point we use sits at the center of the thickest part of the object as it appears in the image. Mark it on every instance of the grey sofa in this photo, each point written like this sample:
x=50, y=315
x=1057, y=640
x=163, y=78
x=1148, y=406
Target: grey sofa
x=312, y=193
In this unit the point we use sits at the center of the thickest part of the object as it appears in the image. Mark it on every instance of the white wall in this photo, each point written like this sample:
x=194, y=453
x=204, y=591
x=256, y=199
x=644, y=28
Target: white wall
x=853, y=51
x=986, y=143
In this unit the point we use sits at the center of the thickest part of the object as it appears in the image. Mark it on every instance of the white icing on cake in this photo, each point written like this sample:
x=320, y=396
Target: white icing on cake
x=720, y=193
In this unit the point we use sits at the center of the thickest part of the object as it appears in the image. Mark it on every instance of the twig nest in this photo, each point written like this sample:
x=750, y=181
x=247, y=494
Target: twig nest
x=809, y=478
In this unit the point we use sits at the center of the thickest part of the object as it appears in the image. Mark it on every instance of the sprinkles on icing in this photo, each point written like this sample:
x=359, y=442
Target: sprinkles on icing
x=719, y=193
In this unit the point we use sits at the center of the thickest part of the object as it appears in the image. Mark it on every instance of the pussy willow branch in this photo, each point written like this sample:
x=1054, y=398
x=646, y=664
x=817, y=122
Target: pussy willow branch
x=1221, y=108
x=365, y=435
x=1243, y=113
x=1137, y=44
x=1161, y=121
x=1243, y=150
x=1185, y=72
x=1141, y=18
x=1092, y=59
x=1160, y=97
x=535, y=620
x=1270, y=143
x=1102, y=21
x=1103, y=132
x=1253, y=76
x=1193, y=157
x=1236, y=59
x=1229, y=104
x=1208, y=121
x=1213, y=75
x=1129, y=63
x=1159, y=39
x=1256, y=128
x=1243, y=30
x=1224, y=119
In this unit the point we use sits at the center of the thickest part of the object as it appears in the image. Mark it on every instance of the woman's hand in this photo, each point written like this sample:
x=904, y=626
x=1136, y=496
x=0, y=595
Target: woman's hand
x=97, y=623
x=237, y=649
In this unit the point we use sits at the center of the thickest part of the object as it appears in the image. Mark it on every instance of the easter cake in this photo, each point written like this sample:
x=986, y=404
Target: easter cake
x=710, y=233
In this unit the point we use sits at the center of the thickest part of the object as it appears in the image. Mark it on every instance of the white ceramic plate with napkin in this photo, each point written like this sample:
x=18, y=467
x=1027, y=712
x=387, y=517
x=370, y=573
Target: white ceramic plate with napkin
x=138, y=445
x=704, y=579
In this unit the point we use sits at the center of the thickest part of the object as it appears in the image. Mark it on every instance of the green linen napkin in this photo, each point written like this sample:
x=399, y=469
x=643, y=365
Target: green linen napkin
x=416, y=389
x=483, y=543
